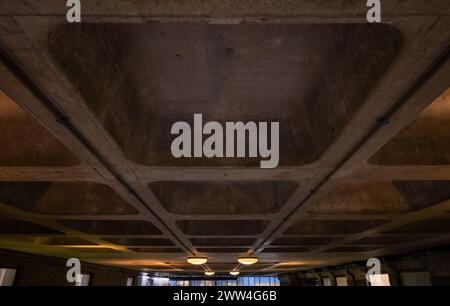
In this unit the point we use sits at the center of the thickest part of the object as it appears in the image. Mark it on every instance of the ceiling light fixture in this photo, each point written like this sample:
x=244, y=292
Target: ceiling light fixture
x=247, y=260
x=197, y=260
x=210, y=273
x=234, y=273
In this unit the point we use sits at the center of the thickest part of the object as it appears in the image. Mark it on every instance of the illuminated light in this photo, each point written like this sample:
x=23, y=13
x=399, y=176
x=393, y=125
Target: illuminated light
x=128, y=262
x=99, y=246
x=234, y=273
x=85, y=246
x=247, y=260
x=197, y=260
x=379, y=280
x=210, y=273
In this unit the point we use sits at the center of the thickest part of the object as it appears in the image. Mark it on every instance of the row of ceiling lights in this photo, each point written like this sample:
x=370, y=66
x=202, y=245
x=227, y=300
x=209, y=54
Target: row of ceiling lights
x=203, y=260
x=241, y=260
x=211, y=273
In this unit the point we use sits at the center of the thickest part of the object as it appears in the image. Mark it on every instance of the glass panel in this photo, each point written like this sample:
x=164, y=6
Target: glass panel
x=379, y=280
x=7, y=276
x=82, y=280
x=341, y=281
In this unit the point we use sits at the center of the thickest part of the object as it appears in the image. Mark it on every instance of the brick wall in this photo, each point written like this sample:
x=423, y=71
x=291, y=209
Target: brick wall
x=49, y=271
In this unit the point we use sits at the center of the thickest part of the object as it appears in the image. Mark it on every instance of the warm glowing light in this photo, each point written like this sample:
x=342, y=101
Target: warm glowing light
x=210, y=273
x=82, y=246
x=129, y=262
x=235, y=273
x=197, y=260
x=247, y=260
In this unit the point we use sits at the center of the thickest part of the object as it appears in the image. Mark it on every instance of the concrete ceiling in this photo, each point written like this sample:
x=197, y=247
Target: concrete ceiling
x=86, y=110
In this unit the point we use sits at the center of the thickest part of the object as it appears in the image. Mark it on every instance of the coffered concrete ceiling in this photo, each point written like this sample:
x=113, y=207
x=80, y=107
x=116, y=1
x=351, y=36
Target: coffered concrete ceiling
x=86, y=110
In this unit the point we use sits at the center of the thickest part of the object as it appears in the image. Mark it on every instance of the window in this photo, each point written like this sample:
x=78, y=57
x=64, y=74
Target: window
x=7, y=276
x=258, y=281
x=159, y=281
x=240, y=281
x=82, y=280
x=144, y=280
x=379, y=280
x=326, y=281
x=341, y=281
x=186, y=283
x=130, y=281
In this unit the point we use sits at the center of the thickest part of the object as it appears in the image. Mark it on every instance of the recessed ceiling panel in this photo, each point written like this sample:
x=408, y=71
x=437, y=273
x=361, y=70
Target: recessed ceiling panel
x=66, y=240
x=359, y=198
x=139, y=241
x=24, y=142
x=156, y=250
x=222, y=250
x=222, y=241
x=299, y=241
x=139, y=79
x=423, y=194
x=431, y=226
x=379, y=197
x=91, y=250
x=223, y=197
x=286, y=250
x=113, y=227
x=394, y=240
x=222, y=227
x=16, y=227
x=345, y=249
x=426, y=139
x=330, y=227
x=64, y=198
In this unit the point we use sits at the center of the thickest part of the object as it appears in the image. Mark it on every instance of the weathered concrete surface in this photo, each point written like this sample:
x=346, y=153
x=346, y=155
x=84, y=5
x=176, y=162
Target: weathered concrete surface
x=64, y=198
x=133, y=67
x=139, y=79
x=426, y=139
x=209, y=198
x=28, y=143
x=382, y=198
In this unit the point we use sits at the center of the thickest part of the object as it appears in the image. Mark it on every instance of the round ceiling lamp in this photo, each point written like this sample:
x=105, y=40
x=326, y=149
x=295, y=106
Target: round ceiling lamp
x=197, y=260
x=210, y=273
x=247, y=260
x=234, y=273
